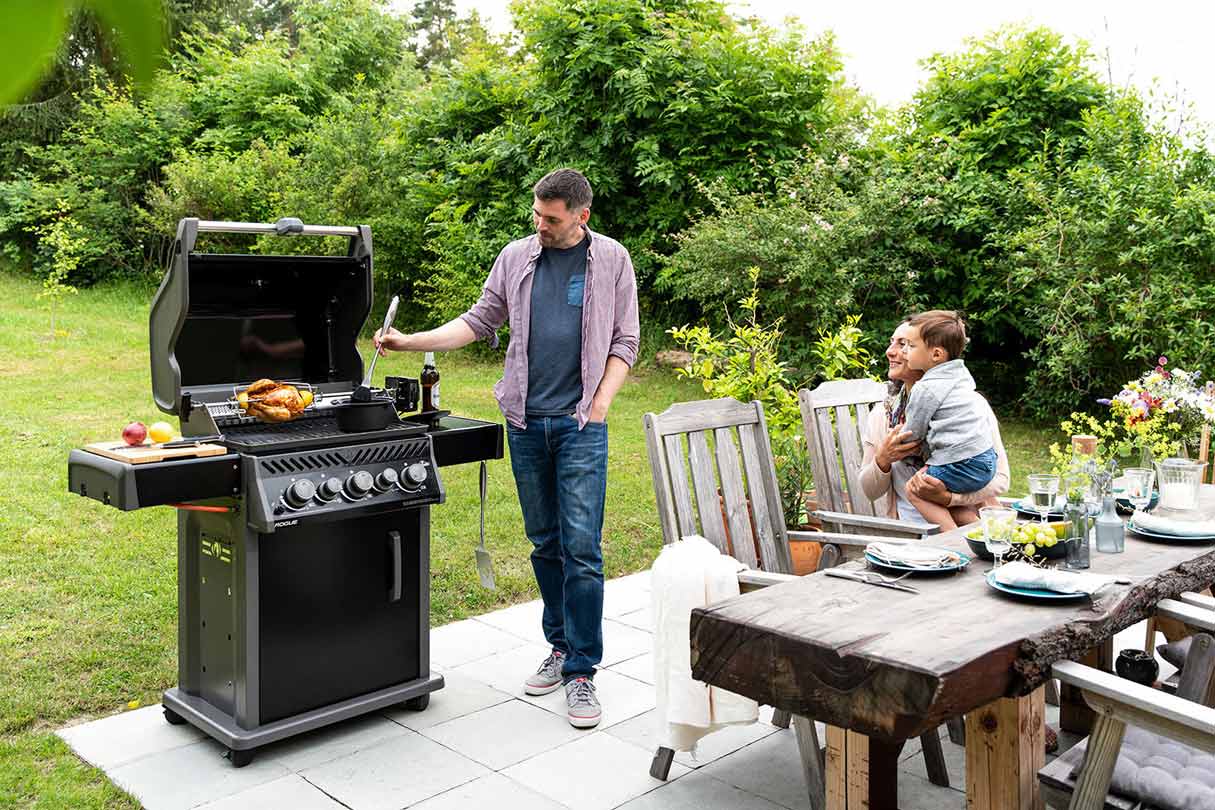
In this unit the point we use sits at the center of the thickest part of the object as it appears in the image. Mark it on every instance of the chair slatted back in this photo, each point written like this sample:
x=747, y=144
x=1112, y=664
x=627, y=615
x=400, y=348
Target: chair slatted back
x=834, y=416
x=714, y=475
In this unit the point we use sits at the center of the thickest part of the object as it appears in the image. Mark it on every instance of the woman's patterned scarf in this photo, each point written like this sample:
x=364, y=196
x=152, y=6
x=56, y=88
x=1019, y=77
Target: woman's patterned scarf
x=896, y=403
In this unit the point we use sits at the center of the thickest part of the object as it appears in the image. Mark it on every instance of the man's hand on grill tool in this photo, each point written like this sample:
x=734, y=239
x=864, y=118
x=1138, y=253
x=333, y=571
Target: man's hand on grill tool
x=395, y=340
x=452, y=335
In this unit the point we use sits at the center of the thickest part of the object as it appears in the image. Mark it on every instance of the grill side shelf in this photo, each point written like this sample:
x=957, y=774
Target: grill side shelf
x=135, y=486
x=461, y=440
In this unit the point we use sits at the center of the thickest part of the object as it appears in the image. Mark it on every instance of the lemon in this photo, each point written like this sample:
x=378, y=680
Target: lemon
x=160, y=432
x=306, y=397
x=242, y=400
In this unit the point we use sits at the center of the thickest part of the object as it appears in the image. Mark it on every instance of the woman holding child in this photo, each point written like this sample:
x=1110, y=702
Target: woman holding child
x=937, y=450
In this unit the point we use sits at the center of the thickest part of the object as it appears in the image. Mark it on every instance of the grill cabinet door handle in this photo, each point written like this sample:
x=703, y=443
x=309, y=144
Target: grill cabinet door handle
x=394, y=544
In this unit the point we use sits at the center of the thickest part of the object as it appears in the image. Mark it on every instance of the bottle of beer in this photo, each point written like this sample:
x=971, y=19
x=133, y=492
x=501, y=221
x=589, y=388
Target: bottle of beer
x=430, y=384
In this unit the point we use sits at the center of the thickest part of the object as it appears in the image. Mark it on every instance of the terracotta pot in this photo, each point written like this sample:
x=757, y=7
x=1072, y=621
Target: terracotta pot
x=805, y=554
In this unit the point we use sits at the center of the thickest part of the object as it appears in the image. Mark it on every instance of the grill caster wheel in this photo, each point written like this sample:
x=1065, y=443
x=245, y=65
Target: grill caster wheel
x=173, y=718
x=419, y=703
x=240, y=758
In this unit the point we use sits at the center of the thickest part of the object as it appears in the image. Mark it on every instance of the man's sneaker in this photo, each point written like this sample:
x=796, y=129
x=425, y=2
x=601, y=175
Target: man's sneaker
x=548, y=677
x=583, y=706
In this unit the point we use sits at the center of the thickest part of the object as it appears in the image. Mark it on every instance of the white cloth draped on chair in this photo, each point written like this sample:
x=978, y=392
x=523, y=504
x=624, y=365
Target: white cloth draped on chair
x=688, y=574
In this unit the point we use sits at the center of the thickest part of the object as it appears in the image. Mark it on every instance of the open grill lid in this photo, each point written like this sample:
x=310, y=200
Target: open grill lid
x=222, y=320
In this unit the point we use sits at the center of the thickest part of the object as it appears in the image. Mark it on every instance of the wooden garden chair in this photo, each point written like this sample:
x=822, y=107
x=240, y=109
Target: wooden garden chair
x=1186, y=717
x=714, y=475
x=833, y=418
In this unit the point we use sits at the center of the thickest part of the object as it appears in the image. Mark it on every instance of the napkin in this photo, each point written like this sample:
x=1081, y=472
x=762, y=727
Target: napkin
x=1166, y=525
x=1023, y=575
x=914, y=556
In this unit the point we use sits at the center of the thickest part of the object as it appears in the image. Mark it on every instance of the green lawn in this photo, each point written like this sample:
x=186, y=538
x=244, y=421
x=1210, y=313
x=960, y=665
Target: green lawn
x=88, y=593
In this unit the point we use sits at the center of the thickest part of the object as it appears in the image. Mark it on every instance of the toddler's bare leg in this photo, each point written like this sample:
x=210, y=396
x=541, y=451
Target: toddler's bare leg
x=964, y=514
x=933, y=513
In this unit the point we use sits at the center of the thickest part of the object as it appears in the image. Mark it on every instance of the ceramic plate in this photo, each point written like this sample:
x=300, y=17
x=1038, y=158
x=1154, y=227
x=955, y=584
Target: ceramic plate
x=1032, y=593
x=1027, y=509
x=919, y=570
x=1170, y=538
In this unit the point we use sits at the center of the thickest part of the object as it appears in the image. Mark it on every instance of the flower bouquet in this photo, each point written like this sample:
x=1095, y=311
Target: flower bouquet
x=1162, y=412
x=1158, y=415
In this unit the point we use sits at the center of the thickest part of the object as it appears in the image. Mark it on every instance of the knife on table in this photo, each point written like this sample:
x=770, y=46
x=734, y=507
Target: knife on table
x=859, y=576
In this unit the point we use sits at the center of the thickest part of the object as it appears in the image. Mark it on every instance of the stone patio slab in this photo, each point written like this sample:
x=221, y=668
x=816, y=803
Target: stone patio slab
x=459, y=696
x=393, y=774
x=191, y=775
x=596, y=772
x=333, y=742
x=492, y=791
x=288, y=793
x=504, y=734
x=460, y=642
x=128, y=736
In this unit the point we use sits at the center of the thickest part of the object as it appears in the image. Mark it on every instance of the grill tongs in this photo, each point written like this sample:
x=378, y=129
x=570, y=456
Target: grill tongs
x=363, y=392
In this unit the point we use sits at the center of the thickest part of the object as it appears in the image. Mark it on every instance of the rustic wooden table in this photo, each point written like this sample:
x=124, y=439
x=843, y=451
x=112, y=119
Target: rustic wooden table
x=881, y=666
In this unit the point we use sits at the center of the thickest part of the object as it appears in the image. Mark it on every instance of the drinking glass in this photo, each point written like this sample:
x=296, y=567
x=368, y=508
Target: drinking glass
x=1043, y=488
x=1138, y=482
x=998, y=524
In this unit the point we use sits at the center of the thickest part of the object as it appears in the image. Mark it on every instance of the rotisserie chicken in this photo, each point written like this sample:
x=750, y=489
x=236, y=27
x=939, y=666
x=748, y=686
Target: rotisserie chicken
x=272, y=401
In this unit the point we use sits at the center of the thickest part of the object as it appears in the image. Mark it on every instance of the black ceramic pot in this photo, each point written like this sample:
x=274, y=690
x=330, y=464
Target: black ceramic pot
x=359, y=417
x=1138, y=666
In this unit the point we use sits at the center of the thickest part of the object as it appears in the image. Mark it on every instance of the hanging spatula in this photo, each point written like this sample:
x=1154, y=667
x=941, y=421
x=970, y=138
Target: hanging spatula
x=485, y=563
x=363, y=392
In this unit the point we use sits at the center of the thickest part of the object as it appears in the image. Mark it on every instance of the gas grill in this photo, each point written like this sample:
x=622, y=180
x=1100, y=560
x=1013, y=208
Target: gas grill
x=303, y=552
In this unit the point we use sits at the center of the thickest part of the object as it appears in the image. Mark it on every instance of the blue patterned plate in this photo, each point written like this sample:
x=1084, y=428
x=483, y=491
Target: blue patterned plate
x=1032, y=593
x=877, y=563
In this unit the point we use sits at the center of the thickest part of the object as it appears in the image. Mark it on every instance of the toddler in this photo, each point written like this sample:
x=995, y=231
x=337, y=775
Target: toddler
x=942, y=414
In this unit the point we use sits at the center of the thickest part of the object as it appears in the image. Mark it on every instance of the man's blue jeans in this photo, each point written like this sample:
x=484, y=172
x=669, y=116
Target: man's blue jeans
x=561, y=474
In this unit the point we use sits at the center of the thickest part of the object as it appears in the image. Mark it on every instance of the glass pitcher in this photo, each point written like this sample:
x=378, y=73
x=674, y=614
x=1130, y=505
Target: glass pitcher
x=1178, y=480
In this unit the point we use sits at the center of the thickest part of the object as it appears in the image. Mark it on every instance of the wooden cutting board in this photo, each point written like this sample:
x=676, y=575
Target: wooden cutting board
x=146, y=453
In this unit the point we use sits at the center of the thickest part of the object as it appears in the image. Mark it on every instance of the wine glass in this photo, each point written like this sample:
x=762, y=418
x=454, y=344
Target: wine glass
x=1043, y=487
x=998, y=524
x=1138, y=482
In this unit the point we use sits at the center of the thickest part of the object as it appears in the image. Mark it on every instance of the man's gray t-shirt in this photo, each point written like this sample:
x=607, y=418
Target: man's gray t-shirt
x=554, y=346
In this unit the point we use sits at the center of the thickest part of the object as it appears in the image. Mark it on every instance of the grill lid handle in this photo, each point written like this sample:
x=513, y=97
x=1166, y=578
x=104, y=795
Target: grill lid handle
x=288, y=225
x=285, y=226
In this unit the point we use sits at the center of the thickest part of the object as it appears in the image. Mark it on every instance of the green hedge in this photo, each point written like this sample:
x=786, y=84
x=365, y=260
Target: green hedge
x=1075, y=233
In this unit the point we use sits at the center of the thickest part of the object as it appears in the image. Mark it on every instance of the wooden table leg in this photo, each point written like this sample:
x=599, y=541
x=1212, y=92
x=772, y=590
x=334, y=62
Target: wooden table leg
x=1074, y=714
x=1004, y=751
x=861, y=773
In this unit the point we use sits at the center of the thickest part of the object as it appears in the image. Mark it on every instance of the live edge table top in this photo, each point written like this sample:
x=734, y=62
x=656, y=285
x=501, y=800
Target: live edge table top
x=893, y=665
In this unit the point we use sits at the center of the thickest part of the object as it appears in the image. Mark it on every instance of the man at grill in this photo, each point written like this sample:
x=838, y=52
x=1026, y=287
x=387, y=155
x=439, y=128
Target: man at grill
x=570, y=297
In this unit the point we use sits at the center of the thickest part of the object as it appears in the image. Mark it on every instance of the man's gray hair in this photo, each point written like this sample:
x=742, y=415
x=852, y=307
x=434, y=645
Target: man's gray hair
x=569, y=185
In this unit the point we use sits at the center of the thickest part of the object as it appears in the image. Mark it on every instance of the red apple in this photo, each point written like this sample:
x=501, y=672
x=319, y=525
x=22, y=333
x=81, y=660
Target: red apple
x=134, y=433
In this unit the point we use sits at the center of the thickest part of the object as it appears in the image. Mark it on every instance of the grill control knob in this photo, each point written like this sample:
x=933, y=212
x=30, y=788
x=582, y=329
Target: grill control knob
x=386, y=480
x=299, y=493
x=359, y=484
x=415, y=474
x=329, y=489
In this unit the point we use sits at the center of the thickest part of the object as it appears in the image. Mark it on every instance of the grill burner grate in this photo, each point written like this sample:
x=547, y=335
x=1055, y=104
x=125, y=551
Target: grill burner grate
x=318, y=431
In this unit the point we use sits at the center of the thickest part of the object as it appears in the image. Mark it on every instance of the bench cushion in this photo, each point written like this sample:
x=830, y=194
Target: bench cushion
x=1158, y=771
